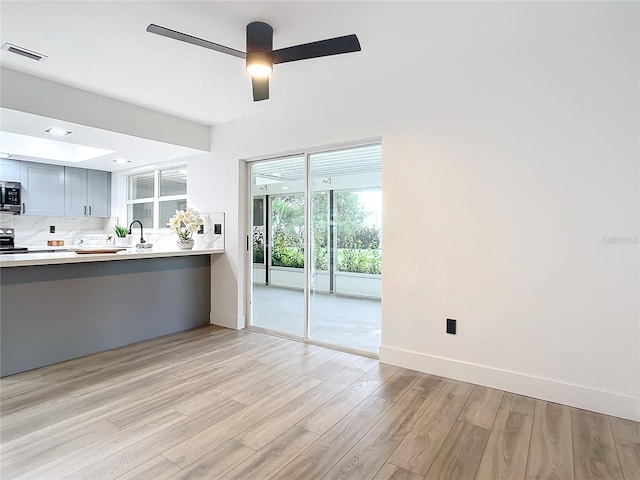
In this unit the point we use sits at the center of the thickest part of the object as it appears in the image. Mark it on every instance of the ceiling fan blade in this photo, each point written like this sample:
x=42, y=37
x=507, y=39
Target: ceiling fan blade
x=183, y=37
x=260, y=88
x=322, y=48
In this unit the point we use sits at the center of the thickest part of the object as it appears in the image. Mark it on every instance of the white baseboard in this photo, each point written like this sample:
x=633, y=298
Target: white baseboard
x=615, y=404
x=227, y=321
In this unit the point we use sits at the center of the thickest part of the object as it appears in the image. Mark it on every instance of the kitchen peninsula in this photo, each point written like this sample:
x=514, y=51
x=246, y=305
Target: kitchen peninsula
x=63, y=305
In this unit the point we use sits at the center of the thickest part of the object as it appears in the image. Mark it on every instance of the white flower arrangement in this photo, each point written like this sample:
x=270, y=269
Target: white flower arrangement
x=185, y=223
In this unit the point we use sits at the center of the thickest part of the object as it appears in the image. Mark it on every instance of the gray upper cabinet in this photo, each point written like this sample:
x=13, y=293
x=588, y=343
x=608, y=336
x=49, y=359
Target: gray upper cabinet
x=9, y=170
x=87, y=192
x=99, y=193
x=42, y=189
x=75, y=192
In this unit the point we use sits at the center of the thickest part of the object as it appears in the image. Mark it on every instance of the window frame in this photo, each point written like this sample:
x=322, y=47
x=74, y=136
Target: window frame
x=156, y=199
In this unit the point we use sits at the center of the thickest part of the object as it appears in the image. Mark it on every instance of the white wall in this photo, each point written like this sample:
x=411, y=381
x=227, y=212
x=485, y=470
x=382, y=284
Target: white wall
x=510, y=160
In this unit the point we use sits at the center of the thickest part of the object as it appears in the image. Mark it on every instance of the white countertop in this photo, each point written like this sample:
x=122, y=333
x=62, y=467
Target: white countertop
x=60, y=258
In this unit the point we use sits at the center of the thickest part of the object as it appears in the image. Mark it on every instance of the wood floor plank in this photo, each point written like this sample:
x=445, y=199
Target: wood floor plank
x=267, y=461
x=59, y=409
x=336, y=365
x=191, y=449
x=370, y=453
x=157, y=468
x=320, y=457
x=34, y=454
x=92, y=453
x=482, y=406
x=625, y=429
x=461, y=453
x=266, y=430
x=232, y=381
x=518, y=403
x=174, y=407
x=629, y=453
x=397, y=385
x=626, y=435
x=392, y=472
x=325, y=417
x=294, y=368
x=138, y=453
x=420, y=447
x=551, y=449
x=505, y=456
x=215, y=464
x=593, y=438
x=589, y=469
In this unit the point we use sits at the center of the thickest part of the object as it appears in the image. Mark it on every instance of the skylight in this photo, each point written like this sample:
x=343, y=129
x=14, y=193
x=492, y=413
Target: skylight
x=48, y=149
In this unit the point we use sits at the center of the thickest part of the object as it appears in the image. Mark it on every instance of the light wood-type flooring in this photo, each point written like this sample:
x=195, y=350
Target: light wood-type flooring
x=214, y=403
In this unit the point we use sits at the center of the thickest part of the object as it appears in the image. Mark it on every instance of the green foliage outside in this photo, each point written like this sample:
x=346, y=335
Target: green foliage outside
x=357, y=260
x=358, y=245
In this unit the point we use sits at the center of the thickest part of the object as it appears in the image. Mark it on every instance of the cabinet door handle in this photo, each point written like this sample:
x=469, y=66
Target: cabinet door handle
x=89, y=210
x=23, y=208
x=85, y=209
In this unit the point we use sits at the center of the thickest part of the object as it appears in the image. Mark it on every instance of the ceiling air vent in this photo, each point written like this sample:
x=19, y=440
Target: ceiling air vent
x=24, y=52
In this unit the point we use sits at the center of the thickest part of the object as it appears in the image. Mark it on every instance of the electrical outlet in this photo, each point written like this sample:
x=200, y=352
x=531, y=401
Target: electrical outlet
x=52, y=229
x=200, y=230
x=451, y=326
x=217, y=228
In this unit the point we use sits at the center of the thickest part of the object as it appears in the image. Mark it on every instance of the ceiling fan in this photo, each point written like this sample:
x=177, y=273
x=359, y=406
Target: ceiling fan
x=260, y=55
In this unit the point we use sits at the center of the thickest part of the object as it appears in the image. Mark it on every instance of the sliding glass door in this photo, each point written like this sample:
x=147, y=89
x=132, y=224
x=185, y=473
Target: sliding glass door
x=277, y=250
x=316, y=248
x=345, y=232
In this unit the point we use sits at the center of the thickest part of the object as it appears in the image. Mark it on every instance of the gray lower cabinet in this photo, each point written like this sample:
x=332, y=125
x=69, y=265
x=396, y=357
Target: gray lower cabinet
x=9, y=170
x=87, y=192
x=52, y=313
x=42, y=189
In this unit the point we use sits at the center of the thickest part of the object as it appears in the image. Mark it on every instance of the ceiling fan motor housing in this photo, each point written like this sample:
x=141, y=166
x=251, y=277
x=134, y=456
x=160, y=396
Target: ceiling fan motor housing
x=259, y=45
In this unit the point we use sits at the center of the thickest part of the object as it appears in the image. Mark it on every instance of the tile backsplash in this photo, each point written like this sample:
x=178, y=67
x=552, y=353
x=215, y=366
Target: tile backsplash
x=33, y=231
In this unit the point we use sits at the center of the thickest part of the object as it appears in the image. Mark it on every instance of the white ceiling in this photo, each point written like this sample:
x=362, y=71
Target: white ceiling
x=103, y=47
x=22, y=132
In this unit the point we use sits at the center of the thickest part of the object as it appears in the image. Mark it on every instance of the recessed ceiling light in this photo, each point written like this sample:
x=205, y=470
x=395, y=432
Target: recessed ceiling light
x=285, y=188
x=58, y=132
x=4, y=155
x=121, y=160
x=277, y=174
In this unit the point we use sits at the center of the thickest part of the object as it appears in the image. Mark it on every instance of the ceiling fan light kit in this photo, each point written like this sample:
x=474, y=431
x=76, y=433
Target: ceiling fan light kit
x=259, y=64
x=260, y=56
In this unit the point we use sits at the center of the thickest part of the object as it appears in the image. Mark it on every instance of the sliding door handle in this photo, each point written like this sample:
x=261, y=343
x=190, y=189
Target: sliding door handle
x=23, y=208
x=85, y=210
x=89, y=210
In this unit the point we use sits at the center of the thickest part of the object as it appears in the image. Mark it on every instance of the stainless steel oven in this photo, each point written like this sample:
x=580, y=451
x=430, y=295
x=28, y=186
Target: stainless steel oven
x=10, y=198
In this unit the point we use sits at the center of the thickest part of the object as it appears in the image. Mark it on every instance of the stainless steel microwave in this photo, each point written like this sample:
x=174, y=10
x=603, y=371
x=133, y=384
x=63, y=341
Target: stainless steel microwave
x=10, y=198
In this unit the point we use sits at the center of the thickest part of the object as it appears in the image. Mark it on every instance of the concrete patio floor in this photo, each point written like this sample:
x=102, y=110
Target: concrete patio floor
x=351, y=322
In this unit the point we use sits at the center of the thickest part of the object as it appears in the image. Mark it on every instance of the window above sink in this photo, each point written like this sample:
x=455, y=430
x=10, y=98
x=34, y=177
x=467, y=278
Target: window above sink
x=154, y=196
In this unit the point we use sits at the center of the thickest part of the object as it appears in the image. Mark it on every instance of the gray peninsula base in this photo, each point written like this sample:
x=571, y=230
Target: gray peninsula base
x=52, y=313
